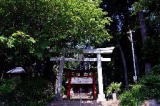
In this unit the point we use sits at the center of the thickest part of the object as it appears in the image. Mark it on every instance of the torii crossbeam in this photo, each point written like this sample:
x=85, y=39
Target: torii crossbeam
x=99, y=59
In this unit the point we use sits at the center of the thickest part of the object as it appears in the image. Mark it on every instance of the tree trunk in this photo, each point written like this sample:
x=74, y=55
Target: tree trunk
x=144, y=37
x=2, y=65
x=124, y=65
x=2, y=75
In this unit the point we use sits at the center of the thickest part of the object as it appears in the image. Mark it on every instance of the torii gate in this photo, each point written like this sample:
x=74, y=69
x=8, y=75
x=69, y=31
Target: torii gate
x=99, y=59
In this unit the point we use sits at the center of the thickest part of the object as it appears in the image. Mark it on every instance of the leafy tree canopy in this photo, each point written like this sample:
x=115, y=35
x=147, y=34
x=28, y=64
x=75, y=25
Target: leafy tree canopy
x=151, y=7
x=54, y=22
x=50, y=24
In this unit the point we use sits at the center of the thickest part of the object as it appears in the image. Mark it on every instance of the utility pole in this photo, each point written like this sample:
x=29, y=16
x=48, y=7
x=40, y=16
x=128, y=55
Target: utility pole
x=133, y=55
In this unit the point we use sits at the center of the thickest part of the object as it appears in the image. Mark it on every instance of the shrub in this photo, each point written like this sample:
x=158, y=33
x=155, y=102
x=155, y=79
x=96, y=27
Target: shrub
x=7, y=86
x=147, y=88
x=156, y=69
x=34, y=90
x=113, y=87
x=29, y=92
x=132, y=97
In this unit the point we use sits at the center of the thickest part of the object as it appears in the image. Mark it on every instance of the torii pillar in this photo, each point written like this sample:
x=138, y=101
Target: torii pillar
x=59, y=80
x=101, y=95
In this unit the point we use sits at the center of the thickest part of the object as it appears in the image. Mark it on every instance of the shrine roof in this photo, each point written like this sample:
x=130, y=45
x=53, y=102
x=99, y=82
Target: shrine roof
x=16, y=70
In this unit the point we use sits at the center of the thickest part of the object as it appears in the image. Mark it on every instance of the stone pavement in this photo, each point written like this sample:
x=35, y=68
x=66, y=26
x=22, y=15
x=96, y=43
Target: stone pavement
x=151, y=102
x=83, y=103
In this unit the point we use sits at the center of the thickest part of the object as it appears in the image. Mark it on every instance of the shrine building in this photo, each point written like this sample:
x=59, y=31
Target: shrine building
x=81, y=84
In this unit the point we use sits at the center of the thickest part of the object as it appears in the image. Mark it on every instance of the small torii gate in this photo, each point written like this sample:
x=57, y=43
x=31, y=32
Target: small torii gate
x=99, y=59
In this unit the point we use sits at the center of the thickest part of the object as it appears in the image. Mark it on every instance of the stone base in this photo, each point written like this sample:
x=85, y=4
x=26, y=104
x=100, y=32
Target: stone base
x=101, y=97
x=114, y=96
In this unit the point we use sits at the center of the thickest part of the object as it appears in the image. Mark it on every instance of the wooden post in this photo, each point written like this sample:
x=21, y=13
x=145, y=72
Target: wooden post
x=69, y=86
x=94, y=87
x=133, y=56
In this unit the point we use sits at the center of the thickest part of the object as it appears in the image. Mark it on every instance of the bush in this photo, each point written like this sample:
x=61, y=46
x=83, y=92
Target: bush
x=113, y=87
x=156, y=69
x=132, y=97
x=29, y=92
x=147, y=88
x=7, y=86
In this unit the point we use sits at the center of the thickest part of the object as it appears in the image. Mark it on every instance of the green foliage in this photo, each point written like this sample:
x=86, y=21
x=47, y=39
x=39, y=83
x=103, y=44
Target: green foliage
x=7, y=86
x=3, y=43
x=151, y=7
x=53, y=24
x=63, y=91
x=147, y=88
x=54, y=21
x=34, y=90
x=21, y=39
x=132, y=97
x=146, y=5
x=140, y=5
x=156, y=69
x=30, y=92
x=3, y=40
x=113, y=87
x=21, y=42
x=19, y=46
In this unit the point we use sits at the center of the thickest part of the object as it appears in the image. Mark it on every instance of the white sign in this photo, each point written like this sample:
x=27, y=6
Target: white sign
x=81, y=80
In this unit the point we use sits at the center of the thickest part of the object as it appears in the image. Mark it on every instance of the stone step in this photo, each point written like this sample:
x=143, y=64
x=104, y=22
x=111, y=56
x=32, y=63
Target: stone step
x=83, y=103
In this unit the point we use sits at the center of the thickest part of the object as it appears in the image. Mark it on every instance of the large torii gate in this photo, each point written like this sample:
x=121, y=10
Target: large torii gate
x=99, y=59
